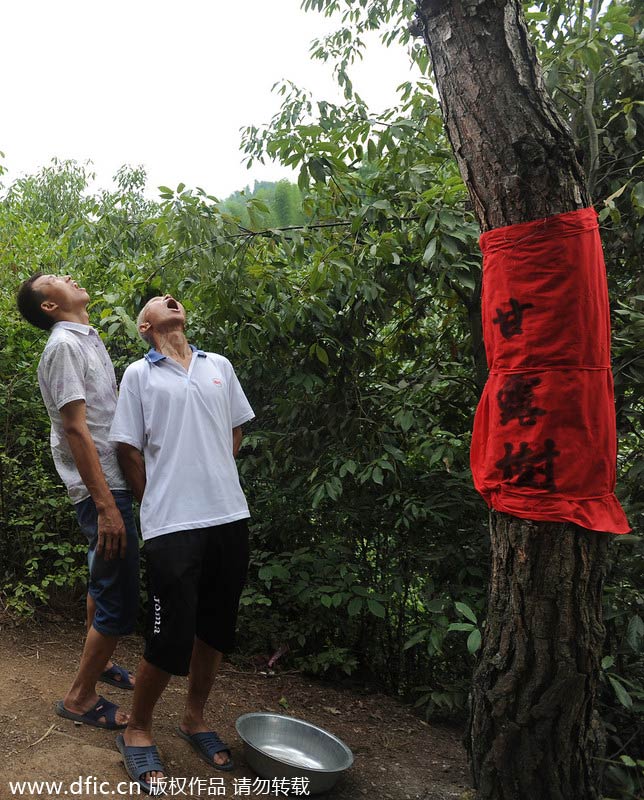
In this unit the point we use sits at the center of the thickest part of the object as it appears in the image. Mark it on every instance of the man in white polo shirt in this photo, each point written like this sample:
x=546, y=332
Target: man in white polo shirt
x=78, y=386
x=178, y=427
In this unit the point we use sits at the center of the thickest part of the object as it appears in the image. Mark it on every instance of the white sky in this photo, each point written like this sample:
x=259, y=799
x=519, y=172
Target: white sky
x=162, y=83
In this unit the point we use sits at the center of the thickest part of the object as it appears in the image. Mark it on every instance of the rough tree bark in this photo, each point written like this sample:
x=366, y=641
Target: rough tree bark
x=534, y=732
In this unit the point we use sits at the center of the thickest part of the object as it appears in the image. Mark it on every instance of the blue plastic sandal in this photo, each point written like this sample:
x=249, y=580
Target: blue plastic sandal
x=117, y=676
x=138, y=761
x=206, y=745
x=102, y=708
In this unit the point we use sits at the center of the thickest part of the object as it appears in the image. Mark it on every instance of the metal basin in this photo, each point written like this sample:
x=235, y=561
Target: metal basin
x=276, y=746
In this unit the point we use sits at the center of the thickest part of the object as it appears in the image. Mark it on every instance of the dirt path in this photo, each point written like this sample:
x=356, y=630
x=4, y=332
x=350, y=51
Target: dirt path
x=397, y=756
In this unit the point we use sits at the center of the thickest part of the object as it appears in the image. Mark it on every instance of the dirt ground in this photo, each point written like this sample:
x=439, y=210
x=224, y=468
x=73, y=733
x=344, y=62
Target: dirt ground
x=397, y=755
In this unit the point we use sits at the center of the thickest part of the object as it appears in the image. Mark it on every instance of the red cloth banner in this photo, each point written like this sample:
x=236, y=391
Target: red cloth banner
x=544, y=440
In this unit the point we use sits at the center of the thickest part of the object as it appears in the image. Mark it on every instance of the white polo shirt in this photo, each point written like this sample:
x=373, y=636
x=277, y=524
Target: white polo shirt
x=183, y=422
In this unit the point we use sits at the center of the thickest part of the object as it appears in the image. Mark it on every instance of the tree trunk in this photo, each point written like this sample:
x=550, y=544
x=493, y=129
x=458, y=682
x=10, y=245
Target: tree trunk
x=534, y=732
x=515, y=154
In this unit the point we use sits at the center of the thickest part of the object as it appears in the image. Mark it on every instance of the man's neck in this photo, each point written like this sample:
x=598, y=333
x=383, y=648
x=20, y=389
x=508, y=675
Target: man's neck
x=173, y=344
x=81, y=316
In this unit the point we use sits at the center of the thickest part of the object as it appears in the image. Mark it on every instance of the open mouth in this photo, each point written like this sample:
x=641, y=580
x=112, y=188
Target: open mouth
x=172, y=303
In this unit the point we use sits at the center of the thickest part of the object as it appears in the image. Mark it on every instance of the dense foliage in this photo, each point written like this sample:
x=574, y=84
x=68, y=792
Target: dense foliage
x=349, y=307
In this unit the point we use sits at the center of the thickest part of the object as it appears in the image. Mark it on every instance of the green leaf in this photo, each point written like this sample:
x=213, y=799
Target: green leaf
x=355, y=606
x=317, y=170
x=321, y=354
x=622, y=27
x=418, y=637
x=430, y=222
x=637, y=196
x=435, y=643
x=333, y=488
x=303, y=179
x=281, y=572
x=474, y=640
x=348, y=466
x=460, y=626
x=591, y=58
x=376, y=608
x=635, y=633
x=620, y=692
x=318, y=496
x=405, y=419
x=430, y=251
x=466, y=611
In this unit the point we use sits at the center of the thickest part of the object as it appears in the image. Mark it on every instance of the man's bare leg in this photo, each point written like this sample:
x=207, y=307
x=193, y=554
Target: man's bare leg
x=82, y=694
x=204, y=665
x=150, y=683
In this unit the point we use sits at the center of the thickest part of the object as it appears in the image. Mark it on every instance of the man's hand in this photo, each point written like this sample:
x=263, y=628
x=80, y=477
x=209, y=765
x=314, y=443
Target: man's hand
x=112, y=539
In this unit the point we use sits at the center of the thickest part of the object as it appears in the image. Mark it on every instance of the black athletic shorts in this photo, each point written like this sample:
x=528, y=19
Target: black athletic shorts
x=195, y=580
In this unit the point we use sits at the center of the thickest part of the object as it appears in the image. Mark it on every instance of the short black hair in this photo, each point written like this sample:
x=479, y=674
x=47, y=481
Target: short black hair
x=29, y=300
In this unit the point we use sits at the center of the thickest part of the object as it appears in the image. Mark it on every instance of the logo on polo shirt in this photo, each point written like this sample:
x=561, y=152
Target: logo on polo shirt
x=216, y=381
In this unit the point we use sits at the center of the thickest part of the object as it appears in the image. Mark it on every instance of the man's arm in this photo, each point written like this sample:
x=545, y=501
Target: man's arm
x=111, y=528
x=133, y=466
x=237, y=440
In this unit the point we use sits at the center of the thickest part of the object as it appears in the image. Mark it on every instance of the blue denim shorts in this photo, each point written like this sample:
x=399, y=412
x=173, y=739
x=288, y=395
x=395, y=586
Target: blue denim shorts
x=114, y=583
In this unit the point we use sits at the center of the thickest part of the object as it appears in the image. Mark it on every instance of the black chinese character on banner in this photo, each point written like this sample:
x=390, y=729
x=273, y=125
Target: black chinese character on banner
x=516, y=400
x=531, y=469
x=510, y=321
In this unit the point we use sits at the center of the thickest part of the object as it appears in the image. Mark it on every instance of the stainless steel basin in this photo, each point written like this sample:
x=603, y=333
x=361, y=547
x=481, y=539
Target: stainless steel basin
x=276, y=746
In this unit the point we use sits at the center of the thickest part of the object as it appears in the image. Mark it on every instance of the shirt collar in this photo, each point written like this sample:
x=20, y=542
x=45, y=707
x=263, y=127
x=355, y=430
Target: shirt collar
x=74, y=326
x=153, y=355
